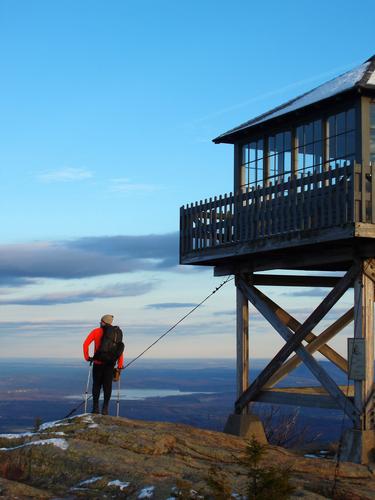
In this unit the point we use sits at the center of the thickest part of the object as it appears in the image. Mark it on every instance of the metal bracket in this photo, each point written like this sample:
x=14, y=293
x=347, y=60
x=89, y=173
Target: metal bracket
x=356, y=359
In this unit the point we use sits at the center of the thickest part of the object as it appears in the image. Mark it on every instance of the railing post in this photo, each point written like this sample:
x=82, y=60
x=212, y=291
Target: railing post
x=236, y=216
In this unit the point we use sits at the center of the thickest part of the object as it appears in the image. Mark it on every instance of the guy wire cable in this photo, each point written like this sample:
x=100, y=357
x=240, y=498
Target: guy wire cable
x=229, y=278
x=179, y=321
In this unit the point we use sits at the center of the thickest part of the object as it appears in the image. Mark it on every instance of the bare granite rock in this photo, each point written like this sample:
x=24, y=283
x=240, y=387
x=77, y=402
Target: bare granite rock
x=91, y=456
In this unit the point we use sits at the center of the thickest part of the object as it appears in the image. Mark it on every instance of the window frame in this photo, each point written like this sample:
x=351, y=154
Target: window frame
x=291, y=125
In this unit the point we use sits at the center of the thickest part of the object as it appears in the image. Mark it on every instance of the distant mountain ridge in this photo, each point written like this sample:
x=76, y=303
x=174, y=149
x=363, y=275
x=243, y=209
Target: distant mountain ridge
x=91, y=456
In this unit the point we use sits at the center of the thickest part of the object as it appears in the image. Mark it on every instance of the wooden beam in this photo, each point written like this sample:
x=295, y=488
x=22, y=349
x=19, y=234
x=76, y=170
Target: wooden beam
x=293, y=342
x=311, y=397
x=281, y=258
x=364, y=328
x=365, y=128
x=317, y=343
x=369, y=269
x=239, y=169
x=300, y=281
x=242, y=342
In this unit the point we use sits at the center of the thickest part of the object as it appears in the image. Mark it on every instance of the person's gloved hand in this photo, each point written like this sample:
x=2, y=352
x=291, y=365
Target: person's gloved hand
x=90, y=359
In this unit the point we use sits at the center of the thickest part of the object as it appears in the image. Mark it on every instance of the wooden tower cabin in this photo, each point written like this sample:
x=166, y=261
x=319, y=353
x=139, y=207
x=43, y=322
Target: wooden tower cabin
x=303, y=200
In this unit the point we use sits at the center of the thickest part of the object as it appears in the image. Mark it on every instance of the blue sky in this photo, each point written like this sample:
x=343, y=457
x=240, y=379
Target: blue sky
x=108, y=110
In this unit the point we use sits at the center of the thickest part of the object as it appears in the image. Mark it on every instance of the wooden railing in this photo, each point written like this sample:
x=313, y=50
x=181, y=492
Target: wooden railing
x=314, y=201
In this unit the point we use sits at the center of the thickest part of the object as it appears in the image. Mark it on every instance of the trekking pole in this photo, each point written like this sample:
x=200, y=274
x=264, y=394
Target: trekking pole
x=87, y=387
x=118, y=398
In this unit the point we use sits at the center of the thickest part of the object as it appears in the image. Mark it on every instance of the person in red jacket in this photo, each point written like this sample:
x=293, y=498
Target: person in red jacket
x=102, y=373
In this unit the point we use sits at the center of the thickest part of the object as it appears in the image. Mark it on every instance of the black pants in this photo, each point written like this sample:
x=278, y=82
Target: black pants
x=102, y=377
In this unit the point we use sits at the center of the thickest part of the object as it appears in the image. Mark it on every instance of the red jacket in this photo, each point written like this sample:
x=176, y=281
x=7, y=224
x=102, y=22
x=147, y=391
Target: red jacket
x=96, y=337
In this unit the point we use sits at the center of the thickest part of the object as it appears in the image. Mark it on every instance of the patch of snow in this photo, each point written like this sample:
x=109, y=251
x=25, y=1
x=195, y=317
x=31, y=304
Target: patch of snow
x=147, y=492
x=48, y=425
x=194, y=494
x=328, y=89
x=16, y=436
x=87, y=418
x=119, y=484
x=59, y=443
x=371, y=80
x=311, y=455
x=58, y=433
x=93, y=426
x=89, y=481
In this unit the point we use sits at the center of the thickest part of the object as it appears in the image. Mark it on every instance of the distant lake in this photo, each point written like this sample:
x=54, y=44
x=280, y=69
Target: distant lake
x=141, y=394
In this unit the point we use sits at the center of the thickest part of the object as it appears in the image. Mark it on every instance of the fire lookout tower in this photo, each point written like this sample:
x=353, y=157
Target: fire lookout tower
x=303, y=200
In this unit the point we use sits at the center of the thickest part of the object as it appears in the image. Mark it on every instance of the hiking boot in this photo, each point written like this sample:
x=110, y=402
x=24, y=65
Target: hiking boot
x=105, y=409
x=95, y=407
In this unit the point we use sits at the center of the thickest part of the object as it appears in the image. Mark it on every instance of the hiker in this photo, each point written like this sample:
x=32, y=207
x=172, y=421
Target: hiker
x=108, y=350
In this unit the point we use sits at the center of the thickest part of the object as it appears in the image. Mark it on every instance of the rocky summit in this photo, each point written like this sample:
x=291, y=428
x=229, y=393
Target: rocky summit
x=92, y=456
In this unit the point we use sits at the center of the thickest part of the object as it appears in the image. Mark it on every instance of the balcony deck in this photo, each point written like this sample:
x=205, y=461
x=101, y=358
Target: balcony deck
x=333, y=208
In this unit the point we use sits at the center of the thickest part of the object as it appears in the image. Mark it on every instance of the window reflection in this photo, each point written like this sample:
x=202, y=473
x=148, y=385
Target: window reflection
x=341, y=139
x=252, y=159
x=279, y=156
x=309, y=149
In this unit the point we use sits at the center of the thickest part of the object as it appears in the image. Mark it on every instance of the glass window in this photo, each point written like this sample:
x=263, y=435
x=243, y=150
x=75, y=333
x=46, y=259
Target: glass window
x=307, y=145
x=279, y=156
x=350, y=119
x=252, y=160
x=341, y=138
x=340, y=123
x=309, y=151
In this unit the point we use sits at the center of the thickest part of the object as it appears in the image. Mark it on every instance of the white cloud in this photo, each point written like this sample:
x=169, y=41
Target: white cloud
x=66, y=174
x=124, y=185
x=77, y=296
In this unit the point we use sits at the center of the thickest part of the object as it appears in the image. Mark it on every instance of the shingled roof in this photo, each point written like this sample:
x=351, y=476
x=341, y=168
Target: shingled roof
x=361, y=77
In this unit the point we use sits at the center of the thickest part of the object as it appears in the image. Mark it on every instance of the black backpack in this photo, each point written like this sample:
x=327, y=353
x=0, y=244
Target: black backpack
x=111, y=347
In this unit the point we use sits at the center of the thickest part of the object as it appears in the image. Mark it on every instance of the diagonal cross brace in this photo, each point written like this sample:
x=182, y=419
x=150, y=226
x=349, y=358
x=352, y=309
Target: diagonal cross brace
x=294, y=341
x=315, y=342
x=318, y=344
x=327, y=382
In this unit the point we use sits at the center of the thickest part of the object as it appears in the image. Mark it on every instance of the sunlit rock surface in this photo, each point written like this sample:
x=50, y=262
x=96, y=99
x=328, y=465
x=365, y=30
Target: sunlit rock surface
x=106, y=457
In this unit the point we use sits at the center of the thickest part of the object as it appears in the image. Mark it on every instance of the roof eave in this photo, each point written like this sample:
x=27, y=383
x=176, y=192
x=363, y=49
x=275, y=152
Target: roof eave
x=231, y=137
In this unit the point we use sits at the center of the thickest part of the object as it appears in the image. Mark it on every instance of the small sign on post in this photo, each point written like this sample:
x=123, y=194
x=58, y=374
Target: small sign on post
x=356, y=359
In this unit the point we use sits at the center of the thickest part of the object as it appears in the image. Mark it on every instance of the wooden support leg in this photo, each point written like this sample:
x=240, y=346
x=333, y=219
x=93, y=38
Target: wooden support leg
x=242, y=423
x=364, y=328
x=358, y=443
x=242, y=343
